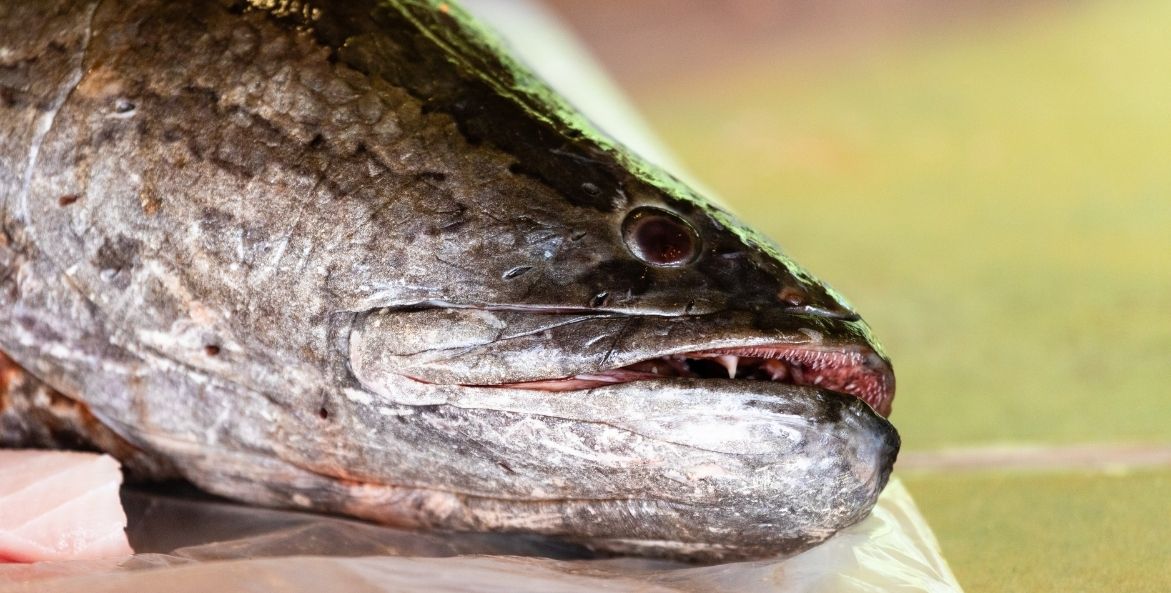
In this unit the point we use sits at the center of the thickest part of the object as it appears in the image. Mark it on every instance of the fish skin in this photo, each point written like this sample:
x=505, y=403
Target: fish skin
x=231, y=231
x=34, y=415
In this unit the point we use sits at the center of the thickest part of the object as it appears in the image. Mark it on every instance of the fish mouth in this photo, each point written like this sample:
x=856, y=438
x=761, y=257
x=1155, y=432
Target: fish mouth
x=853, y=370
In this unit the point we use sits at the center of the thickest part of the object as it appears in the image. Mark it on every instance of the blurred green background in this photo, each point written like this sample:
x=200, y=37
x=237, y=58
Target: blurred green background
x=991, y=187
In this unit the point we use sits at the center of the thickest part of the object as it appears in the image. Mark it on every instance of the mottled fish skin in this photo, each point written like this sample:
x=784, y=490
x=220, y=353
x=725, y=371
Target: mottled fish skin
x=274, y=247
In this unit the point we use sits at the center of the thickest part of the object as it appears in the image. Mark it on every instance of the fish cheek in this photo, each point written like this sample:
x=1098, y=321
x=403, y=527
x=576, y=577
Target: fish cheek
x=387, y=345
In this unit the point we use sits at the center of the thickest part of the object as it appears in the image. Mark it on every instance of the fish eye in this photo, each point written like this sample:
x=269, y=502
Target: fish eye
x=659, y=237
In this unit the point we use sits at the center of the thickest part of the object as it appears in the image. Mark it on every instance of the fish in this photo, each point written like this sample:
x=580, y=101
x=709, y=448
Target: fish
x=354, y=258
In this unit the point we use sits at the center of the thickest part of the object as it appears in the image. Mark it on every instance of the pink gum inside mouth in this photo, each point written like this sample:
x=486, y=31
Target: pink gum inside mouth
x=860, y=373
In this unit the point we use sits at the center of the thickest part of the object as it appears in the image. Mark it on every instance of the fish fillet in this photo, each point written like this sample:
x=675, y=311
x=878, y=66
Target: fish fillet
x=60, y=506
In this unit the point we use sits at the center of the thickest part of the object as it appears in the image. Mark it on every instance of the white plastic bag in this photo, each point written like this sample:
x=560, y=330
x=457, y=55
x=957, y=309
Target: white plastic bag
x=200, y=546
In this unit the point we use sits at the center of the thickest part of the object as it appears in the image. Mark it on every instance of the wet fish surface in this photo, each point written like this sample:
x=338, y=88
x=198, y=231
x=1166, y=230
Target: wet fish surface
x=350, y=257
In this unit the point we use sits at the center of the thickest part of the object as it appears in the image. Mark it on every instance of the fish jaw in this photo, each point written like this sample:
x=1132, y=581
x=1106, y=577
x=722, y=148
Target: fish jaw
x=704, y=437
x=701, y=469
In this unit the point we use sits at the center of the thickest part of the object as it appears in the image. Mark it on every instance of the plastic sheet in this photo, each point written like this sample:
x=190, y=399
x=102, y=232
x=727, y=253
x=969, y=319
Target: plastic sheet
x=199, y=545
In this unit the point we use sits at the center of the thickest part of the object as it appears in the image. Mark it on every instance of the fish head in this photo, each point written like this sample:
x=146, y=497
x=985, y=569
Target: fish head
x=548, y=334
x=651, y=365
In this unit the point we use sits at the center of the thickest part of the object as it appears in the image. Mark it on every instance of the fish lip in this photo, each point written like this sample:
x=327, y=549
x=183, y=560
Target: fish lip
x=805, y=330
x=850, y=369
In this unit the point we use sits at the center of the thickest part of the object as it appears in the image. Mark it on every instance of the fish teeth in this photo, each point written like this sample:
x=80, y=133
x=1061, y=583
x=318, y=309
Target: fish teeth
x=729, y=362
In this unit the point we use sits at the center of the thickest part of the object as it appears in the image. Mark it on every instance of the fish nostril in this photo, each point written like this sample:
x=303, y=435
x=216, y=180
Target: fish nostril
x=798, y=300
x=792, y=296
